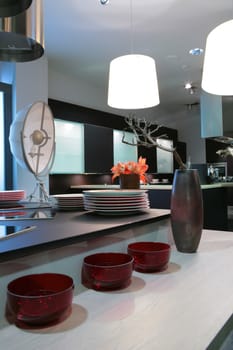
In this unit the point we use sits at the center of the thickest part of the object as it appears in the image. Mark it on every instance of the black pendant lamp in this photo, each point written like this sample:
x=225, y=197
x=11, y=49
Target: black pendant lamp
x=22, y=36
x=9, y=8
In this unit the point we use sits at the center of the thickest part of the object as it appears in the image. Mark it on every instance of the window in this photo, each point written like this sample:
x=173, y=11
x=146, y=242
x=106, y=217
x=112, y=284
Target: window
x=6, y=172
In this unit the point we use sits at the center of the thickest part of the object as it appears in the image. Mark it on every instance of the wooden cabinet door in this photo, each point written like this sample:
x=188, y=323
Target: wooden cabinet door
x=98, y=149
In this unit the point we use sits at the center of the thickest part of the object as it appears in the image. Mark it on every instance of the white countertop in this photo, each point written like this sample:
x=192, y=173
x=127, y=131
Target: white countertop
x=181, y=308
x=150, y=187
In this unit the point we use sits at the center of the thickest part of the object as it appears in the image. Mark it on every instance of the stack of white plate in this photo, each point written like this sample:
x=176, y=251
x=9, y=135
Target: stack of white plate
x=69, y=201
x=116, y=202
x=9, y=198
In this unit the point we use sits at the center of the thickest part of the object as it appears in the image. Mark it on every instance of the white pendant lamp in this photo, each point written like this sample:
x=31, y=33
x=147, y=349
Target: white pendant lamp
x=217, y=76
x=133, y=80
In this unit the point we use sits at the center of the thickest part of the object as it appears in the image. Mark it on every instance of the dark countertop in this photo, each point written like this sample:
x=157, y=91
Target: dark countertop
x=160, y=186
x=69, y=227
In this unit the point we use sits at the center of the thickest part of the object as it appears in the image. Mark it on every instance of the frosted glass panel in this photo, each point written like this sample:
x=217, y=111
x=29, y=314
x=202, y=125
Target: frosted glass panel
x=69, y=156
x=164, y=158
x=2, y=171
x=122, y=151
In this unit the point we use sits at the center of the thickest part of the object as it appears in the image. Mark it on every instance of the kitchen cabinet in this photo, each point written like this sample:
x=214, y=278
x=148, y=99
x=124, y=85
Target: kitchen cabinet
x=214, y=204
x=150, y=155
x=98, y=149
x=123, y=152
x=181, y=148
x=158, y=160
x=99, y=154
x=69, y=151
x=165, y=158
x=82, y=148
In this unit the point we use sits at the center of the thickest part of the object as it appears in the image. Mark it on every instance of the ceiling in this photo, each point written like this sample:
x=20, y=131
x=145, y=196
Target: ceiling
x=82, y=37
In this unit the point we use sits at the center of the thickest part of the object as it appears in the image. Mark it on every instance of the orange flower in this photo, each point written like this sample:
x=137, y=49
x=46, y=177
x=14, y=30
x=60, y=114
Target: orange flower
x=131, y=167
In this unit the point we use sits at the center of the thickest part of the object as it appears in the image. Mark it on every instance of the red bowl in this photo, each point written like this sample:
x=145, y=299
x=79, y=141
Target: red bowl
x=150, y=256
x=40, y=298
x=107, y=271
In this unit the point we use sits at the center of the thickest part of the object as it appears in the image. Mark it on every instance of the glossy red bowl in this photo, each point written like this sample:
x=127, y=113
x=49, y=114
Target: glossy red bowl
x=107, y=271
x=40, y=299
x=150, y=256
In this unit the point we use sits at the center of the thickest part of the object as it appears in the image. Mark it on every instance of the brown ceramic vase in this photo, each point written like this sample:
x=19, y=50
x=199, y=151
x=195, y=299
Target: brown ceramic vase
x=186, y=210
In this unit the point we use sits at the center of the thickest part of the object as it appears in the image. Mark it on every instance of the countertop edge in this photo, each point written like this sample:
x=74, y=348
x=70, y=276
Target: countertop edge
x=149, y=187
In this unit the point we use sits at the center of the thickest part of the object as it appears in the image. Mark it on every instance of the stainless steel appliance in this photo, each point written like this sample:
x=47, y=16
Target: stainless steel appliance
x=217, y=171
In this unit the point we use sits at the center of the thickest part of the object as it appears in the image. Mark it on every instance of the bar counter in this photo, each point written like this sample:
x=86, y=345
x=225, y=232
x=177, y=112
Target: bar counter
x=68, y=227
x=183, y=307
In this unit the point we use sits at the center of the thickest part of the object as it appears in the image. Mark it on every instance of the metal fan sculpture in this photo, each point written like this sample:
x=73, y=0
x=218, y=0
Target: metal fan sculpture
x=32, y=141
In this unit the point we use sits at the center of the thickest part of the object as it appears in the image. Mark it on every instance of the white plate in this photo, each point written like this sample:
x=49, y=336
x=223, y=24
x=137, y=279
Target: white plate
x=70, y=201
x=116, y=199
x=110, y=209
x=116, y=206
x=11, y=198
x=68, y=195
x=122, y=212
x=11, y=195
x=70, y=208
x=10, y=192
x=113, y=193
x=70, y=205
x=115, y=203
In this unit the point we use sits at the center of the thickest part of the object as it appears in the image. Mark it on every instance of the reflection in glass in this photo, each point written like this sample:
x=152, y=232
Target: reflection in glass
x=164, y=158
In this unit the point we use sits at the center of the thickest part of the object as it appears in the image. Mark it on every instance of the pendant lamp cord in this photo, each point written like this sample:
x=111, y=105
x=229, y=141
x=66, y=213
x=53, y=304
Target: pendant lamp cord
x=131, y=26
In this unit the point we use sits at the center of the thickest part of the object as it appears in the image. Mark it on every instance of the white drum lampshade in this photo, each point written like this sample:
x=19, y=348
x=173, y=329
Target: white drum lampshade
x=133, y=82
x=217, y=76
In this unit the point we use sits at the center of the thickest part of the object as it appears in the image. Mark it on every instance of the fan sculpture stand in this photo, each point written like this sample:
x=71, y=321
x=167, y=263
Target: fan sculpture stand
x=32, y=141
x=39, y=139
x=43, y=194
x=38, y=144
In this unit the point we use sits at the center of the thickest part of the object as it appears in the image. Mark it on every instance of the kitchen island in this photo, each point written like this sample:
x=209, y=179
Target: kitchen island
x=181, y=308
x=62, y=228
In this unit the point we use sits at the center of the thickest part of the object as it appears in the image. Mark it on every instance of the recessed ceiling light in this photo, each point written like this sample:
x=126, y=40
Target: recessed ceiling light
x=104, y=2
x=196, y=52
x=188, y=85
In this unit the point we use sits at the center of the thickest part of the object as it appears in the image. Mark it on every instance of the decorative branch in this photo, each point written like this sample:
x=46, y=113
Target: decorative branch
x=145, y=135
x=224, y=153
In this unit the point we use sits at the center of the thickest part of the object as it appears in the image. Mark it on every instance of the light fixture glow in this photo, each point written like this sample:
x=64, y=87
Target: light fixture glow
x=188, y=85
x=133, y=82
x=217, y=75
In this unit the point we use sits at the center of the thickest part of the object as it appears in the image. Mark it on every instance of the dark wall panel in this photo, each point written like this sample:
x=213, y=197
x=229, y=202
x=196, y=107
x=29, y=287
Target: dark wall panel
x=75, y=113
